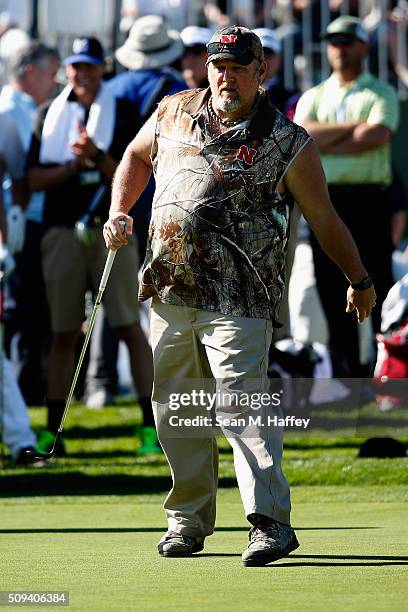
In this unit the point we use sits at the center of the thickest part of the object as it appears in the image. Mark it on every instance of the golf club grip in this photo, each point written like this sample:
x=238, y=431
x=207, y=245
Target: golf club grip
x=109, y=263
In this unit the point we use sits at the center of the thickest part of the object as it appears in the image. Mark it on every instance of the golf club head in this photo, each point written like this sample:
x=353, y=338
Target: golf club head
x=37, y=456
x=44, y=456
x=83, y=232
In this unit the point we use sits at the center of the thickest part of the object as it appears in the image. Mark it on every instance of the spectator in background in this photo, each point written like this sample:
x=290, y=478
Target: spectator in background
x=12, y=39
x=175, y=12
x=14, y=420
x=288, y=17
x=149, y=54
x=216, y=16
x=79, y=138
x=33, y=72
x=11, y=162
x=398, y=42
x=284, y=99
x=194, y=57
x=352, y=116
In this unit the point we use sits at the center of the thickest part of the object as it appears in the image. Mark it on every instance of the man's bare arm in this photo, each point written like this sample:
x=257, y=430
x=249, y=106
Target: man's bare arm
x=129, y=182
x=306, y=182
x=328, y=134
x=346, y=138
x=40, y=177
x=363, y=138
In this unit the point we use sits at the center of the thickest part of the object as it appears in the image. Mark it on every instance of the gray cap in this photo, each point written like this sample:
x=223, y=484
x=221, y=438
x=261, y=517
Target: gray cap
x=269, y=39
x=350, y=26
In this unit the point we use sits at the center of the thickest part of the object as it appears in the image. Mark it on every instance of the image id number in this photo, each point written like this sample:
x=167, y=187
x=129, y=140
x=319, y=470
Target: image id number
x=21, y=598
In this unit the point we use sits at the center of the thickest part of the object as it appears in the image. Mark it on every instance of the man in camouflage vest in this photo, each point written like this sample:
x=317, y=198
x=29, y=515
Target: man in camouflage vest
x=228, y=167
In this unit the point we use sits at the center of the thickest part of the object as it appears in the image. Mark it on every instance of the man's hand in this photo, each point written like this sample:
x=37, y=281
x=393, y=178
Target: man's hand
x=115, y=236
x=84, y=147
x=16, y=225
x=361, y=301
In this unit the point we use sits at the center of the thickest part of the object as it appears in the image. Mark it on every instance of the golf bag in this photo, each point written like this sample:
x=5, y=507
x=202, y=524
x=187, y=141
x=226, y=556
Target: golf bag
x=311, y=373
x=391, y=370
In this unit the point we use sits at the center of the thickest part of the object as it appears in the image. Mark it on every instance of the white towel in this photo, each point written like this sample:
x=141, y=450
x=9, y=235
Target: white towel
x=60, y=126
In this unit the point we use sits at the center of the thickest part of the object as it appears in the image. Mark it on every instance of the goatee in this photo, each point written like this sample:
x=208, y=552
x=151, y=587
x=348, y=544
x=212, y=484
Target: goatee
x=228, y=106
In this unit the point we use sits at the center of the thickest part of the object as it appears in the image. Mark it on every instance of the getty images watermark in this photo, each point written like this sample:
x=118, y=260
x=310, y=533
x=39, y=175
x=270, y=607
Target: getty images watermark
x=221, y=404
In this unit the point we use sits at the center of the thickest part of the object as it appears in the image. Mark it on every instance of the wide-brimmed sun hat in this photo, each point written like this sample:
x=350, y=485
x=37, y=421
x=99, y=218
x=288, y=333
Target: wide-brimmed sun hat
x=151, y=44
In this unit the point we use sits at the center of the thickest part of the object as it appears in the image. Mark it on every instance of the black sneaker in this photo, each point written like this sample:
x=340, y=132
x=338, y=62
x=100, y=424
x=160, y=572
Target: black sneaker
x=174, y=544
x=23, y=459
x=269, y=541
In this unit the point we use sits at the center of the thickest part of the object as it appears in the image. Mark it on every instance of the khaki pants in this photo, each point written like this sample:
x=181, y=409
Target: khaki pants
x=193, y=347
x=70, y=268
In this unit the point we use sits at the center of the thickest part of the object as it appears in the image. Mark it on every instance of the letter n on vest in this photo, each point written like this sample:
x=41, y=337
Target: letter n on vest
x=246, y=155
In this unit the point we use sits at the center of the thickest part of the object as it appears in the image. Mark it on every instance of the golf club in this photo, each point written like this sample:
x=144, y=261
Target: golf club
x=105, y=275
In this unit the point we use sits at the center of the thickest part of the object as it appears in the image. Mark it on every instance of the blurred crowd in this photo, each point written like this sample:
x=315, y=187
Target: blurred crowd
x=64, y=125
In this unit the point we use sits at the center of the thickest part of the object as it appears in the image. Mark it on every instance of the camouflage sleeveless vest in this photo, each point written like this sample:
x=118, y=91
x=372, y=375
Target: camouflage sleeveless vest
x=219, y=227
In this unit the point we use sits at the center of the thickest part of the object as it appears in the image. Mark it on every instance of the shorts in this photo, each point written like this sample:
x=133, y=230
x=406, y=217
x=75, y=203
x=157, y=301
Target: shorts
x=70, y=268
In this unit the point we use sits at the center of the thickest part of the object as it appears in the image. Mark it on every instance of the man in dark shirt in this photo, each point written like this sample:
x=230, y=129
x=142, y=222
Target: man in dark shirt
x=78, y=142
x=150, y=55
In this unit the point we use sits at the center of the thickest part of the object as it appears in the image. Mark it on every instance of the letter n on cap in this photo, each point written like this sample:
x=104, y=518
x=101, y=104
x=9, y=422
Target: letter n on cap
x=246, y=155
x=228, y=39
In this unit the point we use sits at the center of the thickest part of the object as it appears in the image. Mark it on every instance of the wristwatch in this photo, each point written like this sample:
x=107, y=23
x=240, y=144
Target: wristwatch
x=364, y=284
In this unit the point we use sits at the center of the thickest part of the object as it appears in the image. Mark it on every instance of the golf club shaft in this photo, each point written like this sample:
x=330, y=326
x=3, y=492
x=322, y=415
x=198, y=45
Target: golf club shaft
x=102, y=285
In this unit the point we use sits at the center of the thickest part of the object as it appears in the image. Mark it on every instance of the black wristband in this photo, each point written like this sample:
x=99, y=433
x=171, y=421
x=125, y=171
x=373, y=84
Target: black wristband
x=364, y=284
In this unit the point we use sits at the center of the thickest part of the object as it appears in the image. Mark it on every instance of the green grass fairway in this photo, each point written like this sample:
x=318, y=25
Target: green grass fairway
x=89, y=524
x=101, y=459
x=353, y=554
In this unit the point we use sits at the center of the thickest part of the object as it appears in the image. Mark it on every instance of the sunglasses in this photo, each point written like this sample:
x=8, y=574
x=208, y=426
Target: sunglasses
x=341, y=40
x=218, y=47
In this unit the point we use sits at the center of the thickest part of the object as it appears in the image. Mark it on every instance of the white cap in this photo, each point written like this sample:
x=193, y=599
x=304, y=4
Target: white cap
x=269, y=39
x=13, y=41
x=194, y=35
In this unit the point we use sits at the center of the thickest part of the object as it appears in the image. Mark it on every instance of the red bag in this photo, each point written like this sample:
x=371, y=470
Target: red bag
x=391, y=370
